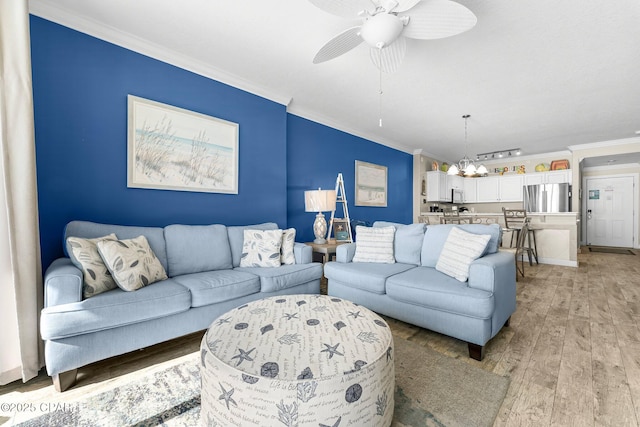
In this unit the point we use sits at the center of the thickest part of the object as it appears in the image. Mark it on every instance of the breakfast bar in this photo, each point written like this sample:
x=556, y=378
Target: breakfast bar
x=556, y=233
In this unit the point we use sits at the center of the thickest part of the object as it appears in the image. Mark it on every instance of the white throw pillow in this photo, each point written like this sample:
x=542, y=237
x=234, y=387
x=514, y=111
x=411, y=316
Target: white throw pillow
x=84, y=255
x=459, y=251
x=261, y=248
x=288, y=240
x=131, y=262
x=374, y=244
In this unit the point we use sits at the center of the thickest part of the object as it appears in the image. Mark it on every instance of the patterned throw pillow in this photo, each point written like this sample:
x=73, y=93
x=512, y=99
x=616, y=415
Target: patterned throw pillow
x=131, y=262
x=261, y=248
x=84, y=255
x=374, y=244
x=459, y=251
x=288, y=240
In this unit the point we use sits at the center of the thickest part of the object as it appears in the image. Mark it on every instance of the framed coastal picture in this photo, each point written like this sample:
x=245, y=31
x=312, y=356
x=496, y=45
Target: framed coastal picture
x=170, y=148
x=341, y=230
x=371, y=184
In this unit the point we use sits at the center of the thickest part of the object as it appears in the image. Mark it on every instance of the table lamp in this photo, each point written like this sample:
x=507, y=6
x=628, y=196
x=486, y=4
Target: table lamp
x=320, y=201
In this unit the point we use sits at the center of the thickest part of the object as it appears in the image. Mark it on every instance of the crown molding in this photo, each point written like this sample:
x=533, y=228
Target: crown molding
x=516, y=159
x=59, y=15
x=604, y=144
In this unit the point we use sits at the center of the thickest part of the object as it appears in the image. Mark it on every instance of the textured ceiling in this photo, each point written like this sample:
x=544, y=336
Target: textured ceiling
x=542, y=75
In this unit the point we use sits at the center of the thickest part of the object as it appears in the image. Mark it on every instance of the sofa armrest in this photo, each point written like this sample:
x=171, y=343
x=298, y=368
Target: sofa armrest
x=345, y=252
x=303, y=253
x=62, y=283
x=493, y=272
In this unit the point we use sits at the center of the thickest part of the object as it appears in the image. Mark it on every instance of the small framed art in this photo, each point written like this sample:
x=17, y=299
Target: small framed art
x=340, y=230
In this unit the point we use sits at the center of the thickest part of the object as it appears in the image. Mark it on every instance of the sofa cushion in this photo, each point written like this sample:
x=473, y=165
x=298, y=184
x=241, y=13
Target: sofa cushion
x=285, y=276
x=197, y=248
x=407, y=242
x=236, y=238
x=114, y=308
x=288, y=242
x=436, y=236
x=84, y=255
x=261, y=248
x=460, y=250
x=154, y=235
x=211, y=287
x=131, y=262
x=374, y=244
x=427, y=287
x=367, y=276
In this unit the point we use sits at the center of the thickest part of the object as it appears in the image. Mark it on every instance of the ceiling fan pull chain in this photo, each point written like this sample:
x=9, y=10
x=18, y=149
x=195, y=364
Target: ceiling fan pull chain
x=380, y=85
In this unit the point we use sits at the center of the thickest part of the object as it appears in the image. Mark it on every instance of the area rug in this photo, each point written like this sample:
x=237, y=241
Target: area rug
x=607, y=250
x=431, y=390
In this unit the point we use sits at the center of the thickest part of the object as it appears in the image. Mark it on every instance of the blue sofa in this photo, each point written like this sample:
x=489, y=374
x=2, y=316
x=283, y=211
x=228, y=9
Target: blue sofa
x=413, y=291
x=204, y=281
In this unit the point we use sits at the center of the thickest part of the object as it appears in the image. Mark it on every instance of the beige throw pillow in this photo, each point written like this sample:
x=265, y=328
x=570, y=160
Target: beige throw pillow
x=374, y=244
x=261, y=248
x=84, y=255
x=459, y=251
x=131, y=262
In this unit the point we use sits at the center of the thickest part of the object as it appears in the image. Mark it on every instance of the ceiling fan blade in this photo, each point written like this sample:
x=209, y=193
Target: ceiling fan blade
x=340, y=44
x=344, y=8
x=437, y=19
x=389, y=58
x=404, y=5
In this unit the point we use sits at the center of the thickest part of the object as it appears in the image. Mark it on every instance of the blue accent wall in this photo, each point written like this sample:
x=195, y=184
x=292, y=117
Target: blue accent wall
x=317, y=153
x=80, y=87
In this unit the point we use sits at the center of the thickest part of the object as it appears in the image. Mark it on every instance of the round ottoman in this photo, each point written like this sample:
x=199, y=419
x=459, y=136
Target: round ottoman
x=298, y=360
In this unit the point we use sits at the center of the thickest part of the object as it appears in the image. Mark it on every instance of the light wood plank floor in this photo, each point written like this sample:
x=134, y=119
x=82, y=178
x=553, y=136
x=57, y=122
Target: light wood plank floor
x=572, y=350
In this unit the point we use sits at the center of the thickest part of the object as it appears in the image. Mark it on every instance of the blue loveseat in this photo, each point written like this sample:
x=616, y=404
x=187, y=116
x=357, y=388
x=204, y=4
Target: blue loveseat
x=204, y=281
x=412, y=290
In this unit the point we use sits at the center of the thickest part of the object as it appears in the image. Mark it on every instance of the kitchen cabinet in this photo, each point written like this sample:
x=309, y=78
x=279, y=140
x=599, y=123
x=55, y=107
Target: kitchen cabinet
x=551, y=177
x=499, y=189
x=437, y=187
x=469, y=187
x=510, y=189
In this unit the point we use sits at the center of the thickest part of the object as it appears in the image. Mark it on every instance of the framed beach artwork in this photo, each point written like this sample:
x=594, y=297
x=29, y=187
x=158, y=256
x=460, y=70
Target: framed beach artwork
x=371, y=184
x=170, y=148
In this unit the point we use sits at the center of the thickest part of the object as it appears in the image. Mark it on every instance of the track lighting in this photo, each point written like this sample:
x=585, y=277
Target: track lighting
x=500, y=154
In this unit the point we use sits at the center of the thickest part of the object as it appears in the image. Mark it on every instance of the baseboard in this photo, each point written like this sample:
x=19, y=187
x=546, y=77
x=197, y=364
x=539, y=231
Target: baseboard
x=554, y=261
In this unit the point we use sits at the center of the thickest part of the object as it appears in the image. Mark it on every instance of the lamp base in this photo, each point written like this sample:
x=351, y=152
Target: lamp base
x=320, y=229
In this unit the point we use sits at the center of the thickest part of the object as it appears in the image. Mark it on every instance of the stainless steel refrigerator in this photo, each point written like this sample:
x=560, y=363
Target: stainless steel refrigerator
x=547, y=198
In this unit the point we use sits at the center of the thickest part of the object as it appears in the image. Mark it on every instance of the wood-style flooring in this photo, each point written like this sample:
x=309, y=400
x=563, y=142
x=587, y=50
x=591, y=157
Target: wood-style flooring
x=572, y=350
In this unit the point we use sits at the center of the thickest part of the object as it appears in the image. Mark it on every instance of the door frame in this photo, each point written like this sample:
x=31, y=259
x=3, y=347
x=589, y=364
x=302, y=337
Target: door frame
x=636, y=204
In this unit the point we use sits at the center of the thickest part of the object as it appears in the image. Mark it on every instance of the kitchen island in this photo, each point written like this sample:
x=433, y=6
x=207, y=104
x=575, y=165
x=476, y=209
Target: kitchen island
x=556, y=233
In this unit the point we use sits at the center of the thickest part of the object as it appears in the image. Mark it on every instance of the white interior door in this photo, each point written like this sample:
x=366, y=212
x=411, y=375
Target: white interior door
x=609, y=215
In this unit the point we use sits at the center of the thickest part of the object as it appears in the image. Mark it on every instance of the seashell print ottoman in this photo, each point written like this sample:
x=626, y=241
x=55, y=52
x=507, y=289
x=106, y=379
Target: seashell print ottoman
x=298, y=360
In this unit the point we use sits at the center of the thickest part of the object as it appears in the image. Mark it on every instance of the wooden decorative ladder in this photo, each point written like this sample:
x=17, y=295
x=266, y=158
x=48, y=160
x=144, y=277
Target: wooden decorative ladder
x=341, y=198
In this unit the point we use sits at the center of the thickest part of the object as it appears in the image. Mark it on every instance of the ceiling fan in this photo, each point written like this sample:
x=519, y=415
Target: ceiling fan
x=386, y=23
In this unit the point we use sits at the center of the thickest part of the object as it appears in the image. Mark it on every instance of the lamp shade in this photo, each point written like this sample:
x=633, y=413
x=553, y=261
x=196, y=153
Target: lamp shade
x=319, y=200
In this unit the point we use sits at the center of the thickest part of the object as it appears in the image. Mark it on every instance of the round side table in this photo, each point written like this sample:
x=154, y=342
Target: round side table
x=298, y=360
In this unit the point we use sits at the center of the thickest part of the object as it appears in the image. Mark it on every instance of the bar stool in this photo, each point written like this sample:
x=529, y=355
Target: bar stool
x=450, y=216
x=521, y=247
x=513, y=221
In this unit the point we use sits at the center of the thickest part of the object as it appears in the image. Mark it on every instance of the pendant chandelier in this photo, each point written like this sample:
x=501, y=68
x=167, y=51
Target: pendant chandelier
x=466, y=166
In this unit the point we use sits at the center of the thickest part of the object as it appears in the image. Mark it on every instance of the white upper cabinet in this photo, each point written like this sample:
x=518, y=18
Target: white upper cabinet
x=469, y=186
x=488, y=189
x=551, y=177
x=437, y=187
x=511, y=188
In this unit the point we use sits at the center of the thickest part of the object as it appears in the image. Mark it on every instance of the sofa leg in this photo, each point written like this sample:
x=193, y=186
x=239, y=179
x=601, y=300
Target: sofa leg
x=476, y=351
x=64, y=380
x=508, y=321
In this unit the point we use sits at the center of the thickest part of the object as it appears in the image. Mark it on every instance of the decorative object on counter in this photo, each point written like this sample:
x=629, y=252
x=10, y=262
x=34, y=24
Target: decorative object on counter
x=521, y=169
x=435, y=166
x=542, y=167
x=444, y=167
x=558, y=165
x=320, y=201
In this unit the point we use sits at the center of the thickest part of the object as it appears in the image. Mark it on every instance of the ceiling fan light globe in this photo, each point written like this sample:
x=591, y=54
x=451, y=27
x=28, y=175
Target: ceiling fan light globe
x=381, y=30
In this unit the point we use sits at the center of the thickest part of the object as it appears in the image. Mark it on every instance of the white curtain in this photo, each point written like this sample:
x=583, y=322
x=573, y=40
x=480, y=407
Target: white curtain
x=20, y=270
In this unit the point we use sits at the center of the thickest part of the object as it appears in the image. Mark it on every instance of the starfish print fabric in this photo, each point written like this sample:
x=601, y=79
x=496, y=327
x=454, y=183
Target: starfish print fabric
x=298, y=360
